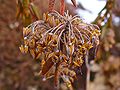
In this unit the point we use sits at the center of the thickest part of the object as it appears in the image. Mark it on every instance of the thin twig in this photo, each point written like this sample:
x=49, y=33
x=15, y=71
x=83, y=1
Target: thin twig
x=88, y=71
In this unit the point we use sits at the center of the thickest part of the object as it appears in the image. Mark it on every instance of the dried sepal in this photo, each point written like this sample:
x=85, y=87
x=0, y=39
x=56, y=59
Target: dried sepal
x=38, y=55
x=26, y=31
x=23, y=49
x=32, y=52
x=78, y=61
x=32, y=43
x=46, y=67
x=49, y=74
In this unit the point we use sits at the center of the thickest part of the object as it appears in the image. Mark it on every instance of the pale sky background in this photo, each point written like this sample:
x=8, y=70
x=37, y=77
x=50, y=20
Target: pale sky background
x=94, y=6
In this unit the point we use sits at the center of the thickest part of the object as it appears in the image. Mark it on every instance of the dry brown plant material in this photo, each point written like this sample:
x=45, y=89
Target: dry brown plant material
x=60, y=43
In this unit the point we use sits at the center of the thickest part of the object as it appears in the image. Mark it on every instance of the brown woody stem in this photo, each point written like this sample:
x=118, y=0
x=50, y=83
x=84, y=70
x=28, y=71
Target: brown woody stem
x=62, y=7
x=56, y=79
x=51, y=5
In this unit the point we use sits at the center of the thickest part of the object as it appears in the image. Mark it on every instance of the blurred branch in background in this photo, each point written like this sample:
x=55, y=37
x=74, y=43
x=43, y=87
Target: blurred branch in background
x=108, y=56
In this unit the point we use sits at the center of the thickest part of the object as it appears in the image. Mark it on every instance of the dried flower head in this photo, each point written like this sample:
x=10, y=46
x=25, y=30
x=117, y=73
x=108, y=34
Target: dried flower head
x=60, y=43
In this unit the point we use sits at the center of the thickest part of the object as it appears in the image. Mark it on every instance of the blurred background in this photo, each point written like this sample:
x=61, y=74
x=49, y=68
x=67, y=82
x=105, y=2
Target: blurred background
x=19, y=72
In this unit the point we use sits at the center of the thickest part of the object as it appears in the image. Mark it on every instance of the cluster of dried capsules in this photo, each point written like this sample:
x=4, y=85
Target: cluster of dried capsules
x=60, y=43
